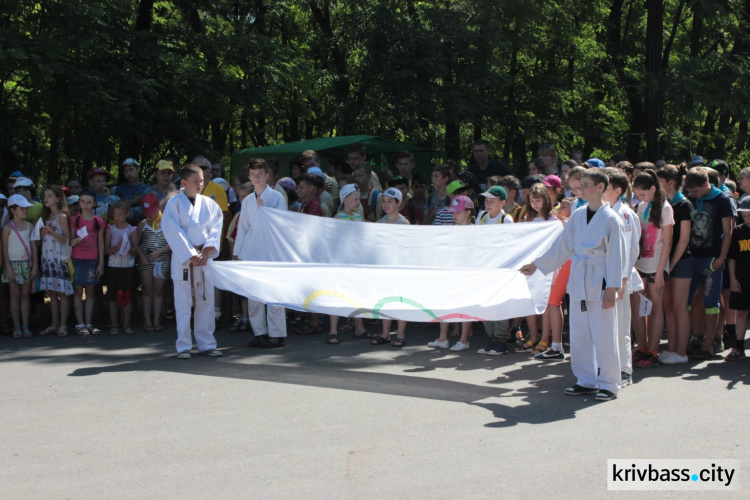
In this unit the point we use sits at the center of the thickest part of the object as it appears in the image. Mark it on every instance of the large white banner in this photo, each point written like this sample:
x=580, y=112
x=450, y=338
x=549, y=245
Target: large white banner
x=414, y=273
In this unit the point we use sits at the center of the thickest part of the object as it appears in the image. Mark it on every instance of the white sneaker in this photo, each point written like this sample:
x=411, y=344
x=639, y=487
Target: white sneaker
x=442, y=344
x=665, y=356
x=674, y=359
x=184, y=355
x=460, y=346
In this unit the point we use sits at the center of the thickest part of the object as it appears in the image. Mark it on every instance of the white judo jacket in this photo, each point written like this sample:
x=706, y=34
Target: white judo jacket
x=596, y=249
x=187, y=226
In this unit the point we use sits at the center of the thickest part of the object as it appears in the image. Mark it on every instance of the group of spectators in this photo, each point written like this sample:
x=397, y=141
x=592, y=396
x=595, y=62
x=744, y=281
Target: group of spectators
x=690, y=265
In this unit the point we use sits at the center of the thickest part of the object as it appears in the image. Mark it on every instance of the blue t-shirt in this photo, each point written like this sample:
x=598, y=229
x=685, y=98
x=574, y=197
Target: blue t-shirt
x=128, y=192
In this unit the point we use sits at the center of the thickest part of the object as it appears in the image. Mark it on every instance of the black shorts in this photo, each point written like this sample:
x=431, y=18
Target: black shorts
x=651, y=277
x=119, y=278
x=740, y=301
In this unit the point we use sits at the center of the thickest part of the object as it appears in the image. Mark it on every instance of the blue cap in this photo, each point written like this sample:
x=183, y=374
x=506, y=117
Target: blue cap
x=130, y=161
x=595, y=163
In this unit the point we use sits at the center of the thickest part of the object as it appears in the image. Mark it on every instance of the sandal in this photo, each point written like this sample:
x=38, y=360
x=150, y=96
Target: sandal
x=332, y=339
x=540, y=348
x=399, y=342
x=114, y=331
x=63, y=331
x=526, y=346
x=703, y=356
x=48, y=331
x=26, y=332
x=129, y=331
x=93, y=330
x=380, y=341
x=158, y=328
x=148, y=328
x=309, y=330
x=17, y=332
x=82, y=330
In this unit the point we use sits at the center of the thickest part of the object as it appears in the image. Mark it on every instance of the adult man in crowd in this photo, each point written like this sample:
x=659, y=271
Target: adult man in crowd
x=483, y=167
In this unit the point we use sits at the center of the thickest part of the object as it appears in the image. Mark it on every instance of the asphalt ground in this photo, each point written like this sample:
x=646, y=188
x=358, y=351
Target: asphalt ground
x=121, y=417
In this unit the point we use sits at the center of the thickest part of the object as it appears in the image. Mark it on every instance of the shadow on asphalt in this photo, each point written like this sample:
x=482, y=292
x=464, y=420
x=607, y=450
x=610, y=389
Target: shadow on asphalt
x=309, y=361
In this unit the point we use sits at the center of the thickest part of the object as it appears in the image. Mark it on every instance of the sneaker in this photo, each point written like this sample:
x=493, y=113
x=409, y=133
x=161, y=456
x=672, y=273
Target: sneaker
x=735, y=354
x=673, y=359
x=578, y=390
x=647, y=361
x=241, y=325
x=266, y=342
x=665, y=356
x=254, y=341
x=93, y=330
x=718, y=345
x=627, y=379
x=498, y=349
x=184, y=355
x=213, y=353
x=442, y=344
x=493, y=348
x=605, y=395
x=550, y=354
x=460, y=346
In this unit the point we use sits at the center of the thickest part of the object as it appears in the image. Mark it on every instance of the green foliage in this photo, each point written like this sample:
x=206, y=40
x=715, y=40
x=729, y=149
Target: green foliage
x=88, y=82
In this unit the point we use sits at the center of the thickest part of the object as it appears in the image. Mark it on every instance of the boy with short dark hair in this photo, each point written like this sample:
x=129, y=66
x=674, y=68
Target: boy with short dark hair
x=594, y=240
x=268, y=322
x=192, y=226
x=710, y=239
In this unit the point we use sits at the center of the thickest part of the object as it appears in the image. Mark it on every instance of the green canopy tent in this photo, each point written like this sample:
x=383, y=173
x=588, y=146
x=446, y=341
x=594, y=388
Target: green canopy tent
x=380, y=152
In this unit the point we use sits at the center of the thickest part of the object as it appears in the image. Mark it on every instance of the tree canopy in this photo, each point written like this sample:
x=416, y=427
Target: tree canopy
x=89, y=83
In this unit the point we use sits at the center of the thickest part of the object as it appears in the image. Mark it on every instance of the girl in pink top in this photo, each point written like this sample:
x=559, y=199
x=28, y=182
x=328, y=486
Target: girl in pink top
x=87, y=254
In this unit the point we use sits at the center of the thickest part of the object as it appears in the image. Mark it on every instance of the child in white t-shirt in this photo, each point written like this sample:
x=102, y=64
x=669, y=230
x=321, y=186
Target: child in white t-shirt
x=657, y=221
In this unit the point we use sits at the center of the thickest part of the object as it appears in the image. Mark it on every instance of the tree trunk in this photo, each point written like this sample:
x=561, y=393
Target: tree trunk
x=452, y=140
x=654, y=97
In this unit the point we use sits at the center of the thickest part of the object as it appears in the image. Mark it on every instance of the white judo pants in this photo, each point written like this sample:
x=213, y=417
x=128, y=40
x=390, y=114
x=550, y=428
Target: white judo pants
x=594, y=346
x=204, y=317
x=267, y=320
x=623, y=334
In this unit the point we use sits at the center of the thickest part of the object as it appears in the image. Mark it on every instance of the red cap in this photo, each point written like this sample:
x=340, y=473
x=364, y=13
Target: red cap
x=97, y=171
x=150, y=204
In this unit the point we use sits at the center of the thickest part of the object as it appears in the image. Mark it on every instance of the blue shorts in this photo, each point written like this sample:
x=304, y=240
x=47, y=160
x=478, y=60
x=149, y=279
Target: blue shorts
x=711, y=281
x=84, y=272
x=683, y=269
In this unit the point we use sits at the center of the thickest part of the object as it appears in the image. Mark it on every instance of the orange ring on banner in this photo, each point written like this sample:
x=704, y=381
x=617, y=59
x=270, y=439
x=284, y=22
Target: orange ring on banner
x=319, y=293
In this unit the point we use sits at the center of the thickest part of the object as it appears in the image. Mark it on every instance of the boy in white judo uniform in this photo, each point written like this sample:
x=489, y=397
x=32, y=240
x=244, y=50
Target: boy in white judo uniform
x=615, y=194
x=192, y=226
x=593, y=239
x=268, y=322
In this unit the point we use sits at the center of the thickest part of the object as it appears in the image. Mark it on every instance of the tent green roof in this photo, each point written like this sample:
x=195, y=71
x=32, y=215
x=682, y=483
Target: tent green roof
x=327, y=146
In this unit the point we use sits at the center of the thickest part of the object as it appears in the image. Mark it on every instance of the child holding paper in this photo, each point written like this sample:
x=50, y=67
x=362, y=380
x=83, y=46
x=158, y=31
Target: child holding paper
x=55, y=277
x=119, y=247
x=87, y=253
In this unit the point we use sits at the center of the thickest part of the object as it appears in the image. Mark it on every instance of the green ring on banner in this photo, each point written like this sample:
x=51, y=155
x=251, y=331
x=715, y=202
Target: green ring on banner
x=386, y=300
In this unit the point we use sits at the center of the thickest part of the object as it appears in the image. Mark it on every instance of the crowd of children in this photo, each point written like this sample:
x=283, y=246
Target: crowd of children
x=644, y=248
